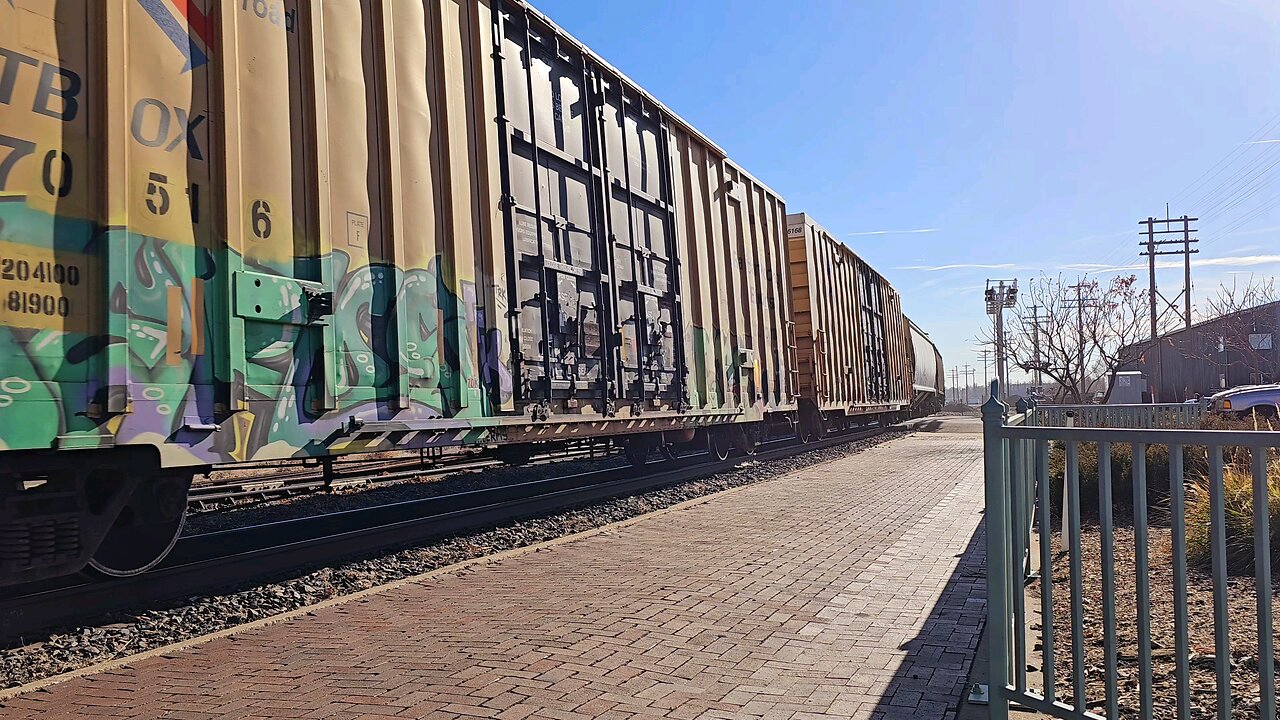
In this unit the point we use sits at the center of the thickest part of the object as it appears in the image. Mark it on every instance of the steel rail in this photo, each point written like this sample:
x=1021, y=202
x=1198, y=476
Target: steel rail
x=293, y=482
x=234, y=559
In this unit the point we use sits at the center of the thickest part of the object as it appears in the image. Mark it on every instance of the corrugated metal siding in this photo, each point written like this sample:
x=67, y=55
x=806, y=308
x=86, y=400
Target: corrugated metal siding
x=851, y=335
x=1190, y=361
x=632, y=227
x=738, y=310
x=282, y=216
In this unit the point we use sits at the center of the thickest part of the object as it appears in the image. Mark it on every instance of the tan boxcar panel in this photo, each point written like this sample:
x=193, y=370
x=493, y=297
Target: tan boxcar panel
x=851, y=339
x=738, y=305
x=286, y=218
x=357, y=165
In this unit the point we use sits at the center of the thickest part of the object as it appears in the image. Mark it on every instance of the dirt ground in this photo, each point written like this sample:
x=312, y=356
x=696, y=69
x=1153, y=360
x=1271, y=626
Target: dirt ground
x=1242, y=600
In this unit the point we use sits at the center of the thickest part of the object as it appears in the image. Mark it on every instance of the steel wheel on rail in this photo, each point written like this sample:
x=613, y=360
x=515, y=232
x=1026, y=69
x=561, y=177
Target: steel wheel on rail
x=637, y=448
x=750, y=440
x=146, y=529
x=719, y=444
x=636, y=453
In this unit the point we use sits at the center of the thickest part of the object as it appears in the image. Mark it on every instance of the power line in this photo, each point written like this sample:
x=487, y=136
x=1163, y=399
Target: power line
x=1222, y=164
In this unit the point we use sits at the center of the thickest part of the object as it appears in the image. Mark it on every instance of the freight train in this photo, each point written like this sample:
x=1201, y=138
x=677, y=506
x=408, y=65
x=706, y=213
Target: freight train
x=244, y=231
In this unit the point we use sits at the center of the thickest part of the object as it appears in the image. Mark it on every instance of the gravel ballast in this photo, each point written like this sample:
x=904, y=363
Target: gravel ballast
x=128, y=634
x=355, y=497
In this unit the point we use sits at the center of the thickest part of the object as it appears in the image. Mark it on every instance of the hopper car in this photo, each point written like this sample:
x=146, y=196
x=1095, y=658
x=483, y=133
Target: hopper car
x=929, y=391
x=242, y=231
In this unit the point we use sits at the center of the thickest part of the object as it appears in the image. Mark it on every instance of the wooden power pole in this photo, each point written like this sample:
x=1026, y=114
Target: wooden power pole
x=1156, y=245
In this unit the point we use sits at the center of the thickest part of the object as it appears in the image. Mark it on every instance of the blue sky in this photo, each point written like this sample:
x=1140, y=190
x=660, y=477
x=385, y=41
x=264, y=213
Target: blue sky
x=1027, y=136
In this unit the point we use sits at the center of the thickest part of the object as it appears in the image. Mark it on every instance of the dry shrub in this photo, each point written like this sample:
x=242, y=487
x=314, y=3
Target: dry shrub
x=1195, y=463
x=1238, y=515
x=1121, y=474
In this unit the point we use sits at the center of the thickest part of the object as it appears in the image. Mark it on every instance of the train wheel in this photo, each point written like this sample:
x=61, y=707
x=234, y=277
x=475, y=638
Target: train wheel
x=719, y=445
x=803, y=435
x=516, y=454
x=636, y=454
x=637, y=449
x=146, y=529
x=750, y=440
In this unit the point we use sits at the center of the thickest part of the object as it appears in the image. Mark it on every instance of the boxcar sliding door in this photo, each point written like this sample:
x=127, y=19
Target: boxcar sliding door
x=589, y=219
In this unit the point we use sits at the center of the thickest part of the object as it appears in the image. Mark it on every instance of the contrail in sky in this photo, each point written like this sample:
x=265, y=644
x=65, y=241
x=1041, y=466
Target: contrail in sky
x=893, y=232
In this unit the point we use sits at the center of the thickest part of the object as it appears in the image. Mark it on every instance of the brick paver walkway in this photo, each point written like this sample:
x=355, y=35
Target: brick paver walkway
x=850, y=589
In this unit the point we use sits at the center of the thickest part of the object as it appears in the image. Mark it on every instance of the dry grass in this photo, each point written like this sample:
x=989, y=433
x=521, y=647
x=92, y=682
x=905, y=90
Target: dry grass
x=1238, y=490
x=1238, y=499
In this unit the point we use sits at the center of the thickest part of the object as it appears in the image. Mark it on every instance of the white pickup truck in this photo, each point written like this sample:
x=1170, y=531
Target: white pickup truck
x=1247, y=400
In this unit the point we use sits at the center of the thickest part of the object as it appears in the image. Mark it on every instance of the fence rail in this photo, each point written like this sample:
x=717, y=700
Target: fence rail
x=1167, y=415
x=1017, y=452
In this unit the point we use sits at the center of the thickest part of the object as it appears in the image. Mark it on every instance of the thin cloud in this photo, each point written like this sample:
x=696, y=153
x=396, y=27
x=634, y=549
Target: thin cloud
x=1087, y=267
x=1231, y=261
x=958, y=266
x=1238, y=261
x=892, y=232
x=1263, y=142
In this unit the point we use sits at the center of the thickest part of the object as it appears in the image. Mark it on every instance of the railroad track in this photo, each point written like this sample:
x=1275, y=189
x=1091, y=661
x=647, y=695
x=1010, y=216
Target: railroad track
x=235, y=558
x=281, y=481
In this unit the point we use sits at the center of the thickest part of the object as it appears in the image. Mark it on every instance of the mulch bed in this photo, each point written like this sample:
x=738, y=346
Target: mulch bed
x=1242, y=600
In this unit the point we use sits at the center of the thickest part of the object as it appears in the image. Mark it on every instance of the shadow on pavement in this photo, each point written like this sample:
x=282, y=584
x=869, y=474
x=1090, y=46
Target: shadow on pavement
x=931, y=681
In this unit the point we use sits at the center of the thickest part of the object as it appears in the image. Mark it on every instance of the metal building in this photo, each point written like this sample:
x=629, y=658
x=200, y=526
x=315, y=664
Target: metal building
x=1226, y=352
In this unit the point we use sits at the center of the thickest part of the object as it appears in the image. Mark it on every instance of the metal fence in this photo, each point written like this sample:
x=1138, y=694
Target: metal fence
x=1017, y=465
x=1167, y=415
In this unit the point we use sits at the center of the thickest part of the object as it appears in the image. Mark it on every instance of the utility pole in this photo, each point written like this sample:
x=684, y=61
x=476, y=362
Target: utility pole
x=955, y=378
x=968, y=379
x=1154, y=248
x=985, y=356
x=1035, y=342
x=1081, y=302
x=1000, y=295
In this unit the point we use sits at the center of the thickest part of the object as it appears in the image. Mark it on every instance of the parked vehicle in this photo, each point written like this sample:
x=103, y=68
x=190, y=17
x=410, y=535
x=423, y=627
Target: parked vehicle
x=1248, y=400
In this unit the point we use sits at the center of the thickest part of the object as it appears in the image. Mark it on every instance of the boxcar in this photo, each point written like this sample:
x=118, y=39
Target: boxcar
x=928, y=391
x=235, y=231
x=851, y=345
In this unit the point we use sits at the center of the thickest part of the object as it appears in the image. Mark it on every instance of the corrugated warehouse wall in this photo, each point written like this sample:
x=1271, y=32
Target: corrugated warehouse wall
x=275, y=216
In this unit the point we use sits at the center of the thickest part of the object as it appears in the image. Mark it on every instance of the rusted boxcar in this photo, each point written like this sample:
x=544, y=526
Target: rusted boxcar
x=851, y=343
x=235, y=231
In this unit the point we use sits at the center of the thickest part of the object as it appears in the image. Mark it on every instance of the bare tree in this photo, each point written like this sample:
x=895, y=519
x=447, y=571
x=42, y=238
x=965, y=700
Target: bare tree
x=1081, y=332
x=1228, y=334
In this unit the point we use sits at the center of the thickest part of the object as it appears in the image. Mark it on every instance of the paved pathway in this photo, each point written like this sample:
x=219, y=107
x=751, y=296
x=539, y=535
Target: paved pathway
x=850, y=589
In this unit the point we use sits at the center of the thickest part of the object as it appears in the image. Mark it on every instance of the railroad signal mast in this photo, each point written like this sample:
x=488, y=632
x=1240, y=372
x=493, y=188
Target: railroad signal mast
x=1001, y=295
x=1158, y=243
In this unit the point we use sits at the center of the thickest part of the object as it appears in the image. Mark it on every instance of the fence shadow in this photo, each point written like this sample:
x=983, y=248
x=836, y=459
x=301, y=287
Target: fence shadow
x=931, y=681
